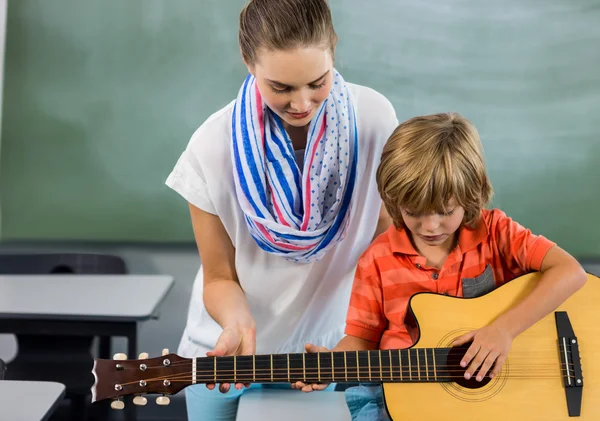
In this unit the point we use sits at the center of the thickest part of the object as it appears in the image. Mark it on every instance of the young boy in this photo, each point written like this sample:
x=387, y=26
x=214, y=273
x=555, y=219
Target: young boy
x=434, y=185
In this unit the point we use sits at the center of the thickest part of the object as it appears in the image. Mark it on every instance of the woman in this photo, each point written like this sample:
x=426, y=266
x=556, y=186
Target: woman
x=282, y=196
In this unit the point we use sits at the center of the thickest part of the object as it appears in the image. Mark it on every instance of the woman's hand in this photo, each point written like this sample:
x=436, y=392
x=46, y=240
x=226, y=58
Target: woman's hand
x=236, y=340
x=310, y=348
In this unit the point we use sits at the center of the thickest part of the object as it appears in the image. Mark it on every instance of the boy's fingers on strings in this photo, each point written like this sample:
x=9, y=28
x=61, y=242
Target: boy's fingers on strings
x=473, y=351
x=498, y=366
x=487, y=364
x=476, y=362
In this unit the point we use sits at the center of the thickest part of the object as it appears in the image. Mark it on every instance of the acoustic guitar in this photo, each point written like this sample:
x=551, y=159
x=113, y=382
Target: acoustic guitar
x=552, y=371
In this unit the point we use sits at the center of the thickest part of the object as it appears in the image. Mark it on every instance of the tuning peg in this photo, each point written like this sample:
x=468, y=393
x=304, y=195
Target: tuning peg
x=140, y=400
x=165, y=351
x=117, y=404
x=143, y=356
x=163, y=400
x=120, y=356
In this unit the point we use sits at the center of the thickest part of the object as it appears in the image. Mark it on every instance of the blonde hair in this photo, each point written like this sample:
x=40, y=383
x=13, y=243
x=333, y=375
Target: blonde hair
x=284, y=24
x=429, y=160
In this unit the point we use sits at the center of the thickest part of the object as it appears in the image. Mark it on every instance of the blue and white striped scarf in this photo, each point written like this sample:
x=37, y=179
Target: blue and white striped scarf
x=293, y=213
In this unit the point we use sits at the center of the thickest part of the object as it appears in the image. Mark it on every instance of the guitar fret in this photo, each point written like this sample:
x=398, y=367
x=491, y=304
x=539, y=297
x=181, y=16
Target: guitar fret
x=434, y=366
x=254, y=368
x=369, y=360
x=391, y=365
x=426, y=365
x=400, y=356
x=215, y=359
x=357, y=368
x=288, y=367
x=304, y=367
x=319, y=366
x=345, y=367
x=332, y=368
x=418, y=364
x=234, y=369
x=380, y=367
x=409, y=365
x=271, y=367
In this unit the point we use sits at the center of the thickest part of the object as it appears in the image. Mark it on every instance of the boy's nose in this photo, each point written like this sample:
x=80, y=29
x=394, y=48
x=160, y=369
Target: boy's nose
x=430, y=223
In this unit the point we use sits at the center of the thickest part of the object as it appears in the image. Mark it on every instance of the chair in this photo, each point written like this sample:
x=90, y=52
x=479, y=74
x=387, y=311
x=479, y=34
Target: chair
x=2, y=369
x=76, y=263
x=65, y=263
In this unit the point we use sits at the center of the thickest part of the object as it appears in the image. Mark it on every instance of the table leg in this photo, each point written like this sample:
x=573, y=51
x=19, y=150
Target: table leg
x=104, y=347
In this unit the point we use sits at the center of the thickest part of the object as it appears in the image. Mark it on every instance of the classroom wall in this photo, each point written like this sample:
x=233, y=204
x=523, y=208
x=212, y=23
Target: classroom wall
x=2, y=49
x=101, y=97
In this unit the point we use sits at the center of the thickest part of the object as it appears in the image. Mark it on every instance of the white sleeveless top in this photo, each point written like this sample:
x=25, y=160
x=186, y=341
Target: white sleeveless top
x=292, y=303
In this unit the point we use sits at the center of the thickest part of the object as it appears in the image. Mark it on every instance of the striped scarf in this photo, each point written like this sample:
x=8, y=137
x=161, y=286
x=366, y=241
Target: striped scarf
x=289, y=212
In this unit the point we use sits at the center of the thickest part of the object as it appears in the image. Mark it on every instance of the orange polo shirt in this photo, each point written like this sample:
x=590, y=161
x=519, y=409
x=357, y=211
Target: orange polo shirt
x=390, y=271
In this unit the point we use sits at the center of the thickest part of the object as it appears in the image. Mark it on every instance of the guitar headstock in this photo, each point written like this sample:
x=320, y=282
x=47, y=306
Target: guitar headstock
x=165, y=375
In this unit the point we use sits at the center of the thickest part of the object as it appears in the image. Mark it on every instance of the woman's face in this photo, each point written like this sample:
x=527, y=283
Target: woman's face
x=294, y=83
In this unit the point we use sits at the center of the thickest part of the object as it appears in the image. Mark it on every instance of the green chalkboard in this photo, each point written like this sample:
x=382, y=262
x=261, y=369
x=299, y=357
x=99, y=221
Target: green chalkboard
x=101, y=97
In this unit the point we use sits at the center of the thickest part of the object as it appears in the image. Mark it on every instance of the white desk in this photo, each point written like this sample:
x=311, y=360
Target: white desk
x=292, y=405
x=29, y=401
x=82, y=297
x=56, y=317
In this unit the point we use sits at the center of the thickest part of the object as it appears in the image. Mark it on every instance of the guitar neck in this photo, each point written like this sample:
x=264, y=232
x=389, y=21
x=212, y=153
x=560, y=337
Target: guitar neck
x=406, y=365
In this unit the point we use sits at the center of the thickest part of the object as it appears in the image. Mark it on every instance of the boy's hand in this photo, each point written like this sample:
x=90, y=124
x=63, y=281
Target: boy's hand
x=315, y=386
x=490, y=344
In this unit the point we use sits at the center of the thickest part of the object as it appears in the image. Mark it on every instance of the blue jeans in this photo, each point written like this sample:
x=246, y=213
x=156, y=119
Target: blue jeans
x=212, y=405
x=365, y=402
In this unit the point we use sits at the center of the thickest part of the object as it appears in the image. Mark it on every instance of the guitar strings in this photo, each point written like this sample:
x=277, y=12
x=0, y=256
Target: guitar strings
x=230, y=376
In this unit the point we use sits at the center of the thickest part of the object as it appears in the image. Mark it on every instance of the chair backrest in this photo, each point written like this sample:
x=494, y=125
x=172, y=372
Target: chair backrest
x=2, y=369
x=75, y=263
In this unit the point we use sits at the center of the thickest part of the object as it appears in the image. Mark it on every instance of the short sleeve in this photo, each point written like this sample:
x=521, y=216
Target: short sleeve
x=188, y=180
x=365, y=318
x=520, y=248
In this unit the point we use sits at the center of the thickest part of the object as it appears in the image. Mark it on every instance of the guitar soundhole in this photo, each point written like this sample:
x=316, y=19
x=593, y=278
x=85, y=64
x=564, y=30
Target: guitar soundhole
x=457, y=372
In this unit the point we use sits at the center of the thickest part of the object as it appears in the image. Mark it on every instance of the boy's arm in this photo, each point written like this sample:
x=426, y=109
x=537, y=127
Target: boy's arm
x=354, y=343
x=561, y=276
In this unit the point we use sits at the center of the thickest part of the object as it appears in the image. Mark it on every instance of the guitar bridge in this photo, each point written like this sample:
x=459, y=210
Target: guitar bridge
x=570, y=363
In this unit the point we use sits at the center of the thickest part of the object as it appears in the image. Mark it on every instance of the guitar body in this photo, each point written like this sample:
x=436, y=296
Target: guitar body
x=531, y=385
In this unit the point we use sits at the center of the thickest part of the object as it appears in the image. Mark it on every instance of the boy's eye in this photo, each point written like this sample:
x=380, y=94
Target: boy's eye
x=447, y=213
x=409, y=213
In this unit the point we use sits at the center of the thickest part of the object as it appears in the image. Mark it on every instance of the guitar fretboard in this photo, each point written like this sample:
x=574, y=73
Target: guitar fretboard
x=406, y=365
